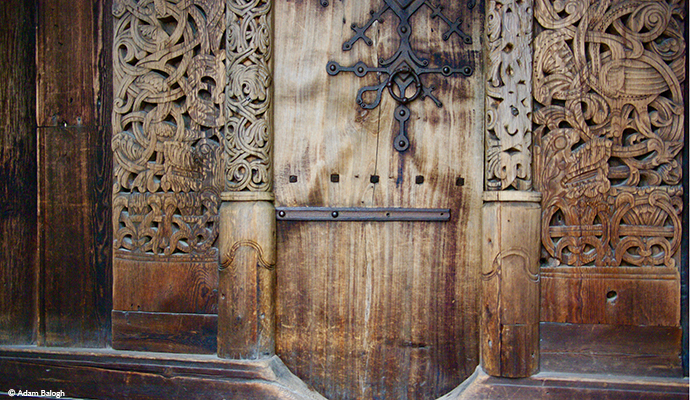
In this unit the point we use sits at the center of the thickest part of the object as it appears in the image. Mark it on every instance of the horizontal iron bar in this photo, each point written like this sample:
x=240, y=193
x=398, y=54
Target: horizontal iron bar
x=361, y=214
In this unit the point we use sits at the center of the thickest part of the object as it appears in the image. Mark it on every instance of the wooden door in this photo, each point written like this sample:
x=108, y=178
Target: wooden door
x=376, y=309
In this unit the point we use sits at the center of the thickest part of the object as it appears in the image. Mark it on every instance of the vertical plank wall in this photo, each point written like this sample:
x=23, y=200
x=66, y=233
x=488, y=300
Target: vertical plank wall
x=17, y=172
x=74, y=157
x=376, y=309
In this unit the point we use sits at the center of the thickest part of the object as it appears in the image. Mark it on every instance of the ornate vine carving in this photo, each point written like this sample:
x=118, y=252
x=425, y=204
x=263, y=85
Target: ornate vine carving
x=509, y=95
x=610, y=130
x=169, y=81
x=248, y=131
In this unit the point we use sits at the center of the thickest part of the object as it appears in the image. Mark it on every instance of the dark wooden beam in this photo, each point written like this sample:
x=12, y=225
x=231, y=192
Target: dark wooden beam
x=18, y=212
x=75, y=168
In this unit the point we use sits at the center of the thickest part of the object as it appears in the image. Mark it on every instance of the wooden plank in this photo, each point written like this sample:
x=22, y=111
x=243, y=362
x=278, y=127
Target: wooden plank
x=377, y=309
x=651, y=351
x=73, y=108
x=18, y=186
x=108, y=374
x=165, y=332
x=636, y=296
x=166, y=284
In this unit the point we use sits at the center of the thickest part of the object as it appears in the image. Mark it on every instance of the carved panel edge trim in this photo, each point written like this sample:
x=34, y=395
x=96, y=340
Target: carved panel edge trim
x=508, y=86
x=248, y=142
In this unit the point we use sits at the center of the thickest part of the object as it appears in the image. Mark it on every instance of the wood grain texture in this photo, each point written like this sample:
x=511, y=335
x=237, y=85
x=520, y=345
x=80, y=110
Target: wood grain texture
x=320, y=129
x=649, y=351
x=376, y=310
x=108, y=374
x=510, y=288
x=18, y=185
x=172, y=284
x=630, y=296
x=74, y=169
x=165, y=332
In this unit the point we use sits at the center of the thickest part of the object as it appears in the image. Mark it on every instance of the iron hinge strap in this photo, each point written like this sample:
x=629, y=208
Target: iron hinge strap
x=361, y=214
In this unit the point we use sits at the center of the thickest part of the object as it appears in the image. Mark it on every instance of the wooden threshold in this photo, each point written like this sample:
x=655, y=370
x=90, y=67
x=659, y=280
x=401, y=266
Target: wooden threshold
x=112, y=374
x=559, y=386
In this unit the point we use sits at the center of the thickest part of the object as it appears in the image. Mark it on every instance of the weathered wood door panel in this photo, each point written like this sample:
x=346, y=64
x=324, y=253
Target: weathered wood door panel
x=376, y=309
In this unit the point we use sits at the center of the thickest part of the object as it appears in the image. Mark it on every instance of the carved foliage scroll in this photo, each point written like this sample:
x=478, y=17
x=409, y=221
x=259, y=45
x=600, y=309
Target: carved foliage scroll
x=509, y=95
x=169, y=82
x=248, y=136
x=610, y=130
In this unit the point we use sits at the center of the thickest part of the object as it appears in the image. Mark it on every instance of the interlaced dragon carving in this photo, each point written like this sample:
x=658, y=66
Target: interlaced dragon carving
x=169, y=82
x=404, y=68
x=609, y=130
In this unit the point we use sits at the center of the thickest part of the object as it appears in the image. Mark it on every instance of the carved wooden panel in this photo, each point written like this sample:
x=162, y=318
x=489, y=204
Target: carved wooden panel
x=169, y=94
x=509, y=95
x=168, y=118
x=248, y=135
x=610, y=130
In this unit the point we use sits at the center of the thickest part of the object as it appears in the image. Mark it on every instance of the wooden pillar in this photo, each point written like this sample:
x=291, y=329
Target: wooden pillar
x=246, y=307
x=510, y=283
x=511, y=212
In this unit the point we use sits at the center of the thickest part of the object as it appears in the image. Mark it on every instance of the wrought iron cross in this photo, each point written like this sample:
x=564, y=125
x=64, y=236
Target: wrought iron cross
x=404, y=69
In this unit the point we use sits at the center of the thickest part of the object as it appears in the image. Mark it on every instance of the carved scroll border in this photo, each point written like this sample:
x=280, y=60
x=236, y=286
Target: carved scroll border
x=508, y=86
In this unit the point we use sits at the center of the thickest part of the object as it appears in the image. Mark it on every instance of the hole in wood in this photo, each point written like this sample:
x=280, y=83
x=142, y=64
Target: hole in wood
x=293, y=178
x=419, y=179
x=374, y=179
x=460, y=181
x=611, y=296
x=335, y=178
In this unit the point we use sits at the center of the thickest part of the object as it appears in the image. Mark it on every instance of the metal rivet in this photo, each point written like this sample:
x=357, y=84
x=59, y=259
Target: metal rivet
x=334, y=214
x=281, y=214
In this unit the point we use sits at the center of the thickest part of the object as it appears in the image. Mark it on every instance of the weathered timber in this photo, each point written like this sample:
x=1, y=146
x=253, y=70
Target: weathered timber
x=604, y=295
x=108, y=374
x=73, y=108
x=510, y=284
x=165, y=332
x=645, y=351
x=246, y=310
x=18, y=185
